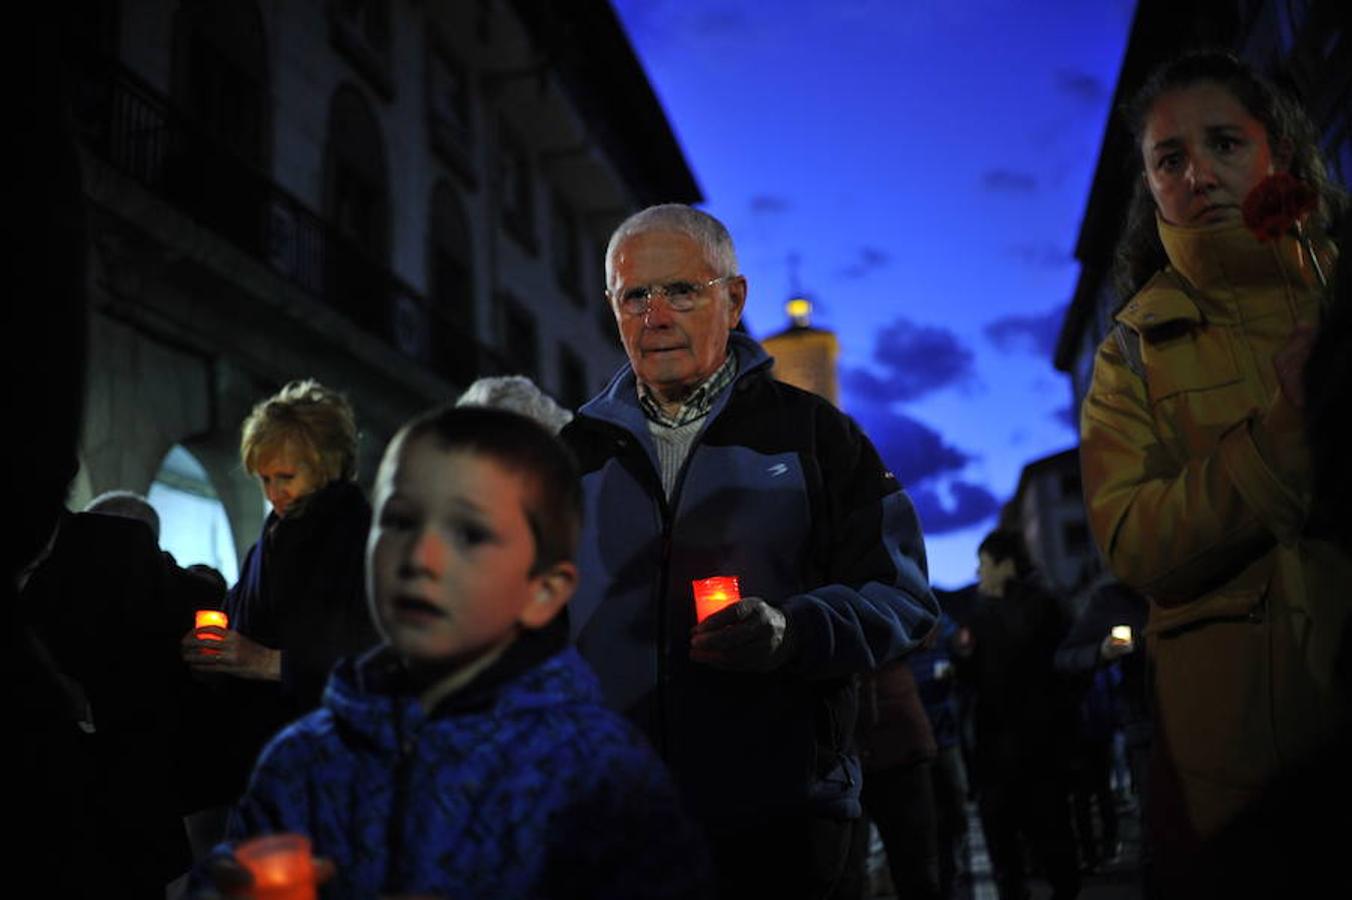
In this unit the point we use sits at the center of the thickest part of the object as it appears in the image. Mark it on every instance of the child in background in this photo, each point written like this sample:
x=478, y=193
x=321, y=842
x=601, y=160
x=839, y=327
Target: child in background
x=470, y=755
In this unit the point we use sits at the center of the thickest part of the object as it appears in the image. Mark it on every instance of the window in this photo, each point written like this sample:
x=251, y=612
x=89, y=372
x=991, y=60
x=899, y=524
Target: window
x=448, y=108
x=356, y=183
x=563, y=243
x=361, y=30
x=1070, y=484
x=1075, y=537
x=572, y=378
x=520, y=340
x=514, y=190
x=451, y=256
x=219, y=81
x=224, y=98
x=357, y=244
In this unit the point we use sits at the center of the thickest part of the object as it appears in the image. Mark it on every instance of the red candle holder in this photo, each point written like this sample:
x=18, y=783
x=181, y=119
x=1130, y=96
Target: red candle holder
x=211, y=617
x=281, y=866
x=712, y=594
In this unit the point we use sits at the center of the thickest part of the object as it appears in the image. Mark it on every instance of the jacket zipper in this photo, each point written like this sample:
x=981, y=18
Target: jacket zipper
x=407, y=742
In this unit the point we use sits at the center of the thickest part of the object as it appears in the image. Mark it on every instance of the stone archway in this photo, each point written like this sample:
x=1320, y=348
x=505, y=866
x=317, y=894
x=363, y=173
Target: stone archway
x=194, y=526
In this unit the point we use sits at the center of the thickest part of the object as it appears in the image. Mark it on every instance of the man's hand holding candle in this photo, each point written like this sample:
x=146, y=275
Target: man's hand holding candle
x=748, y=636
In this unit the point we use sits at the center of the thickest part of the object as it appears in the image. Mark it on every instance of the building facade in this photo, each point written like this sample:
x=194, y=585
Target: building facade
x=391, y=196
x=1048, y=510
x=805, y=356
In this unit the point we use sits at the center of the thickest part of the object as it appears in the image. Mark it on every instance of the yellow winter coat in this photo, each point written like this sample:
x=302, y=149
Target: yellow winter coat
x=1196, y=478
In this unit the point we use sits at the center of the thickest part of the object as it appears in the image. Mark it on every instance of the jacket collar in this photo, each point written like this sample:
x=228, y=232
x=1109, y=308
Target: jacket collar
x=618, y=402
x=1225, y=257
x=374, y=695
x=1213, y=269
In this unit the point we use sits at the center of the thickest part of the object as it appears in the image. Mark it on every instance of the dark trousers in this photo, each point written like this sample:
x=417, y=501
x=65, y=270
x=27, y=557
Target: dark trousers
x=1093, y=785
x=1033, y=806
x=793, y=857
x=950, y=797
x=900, y=802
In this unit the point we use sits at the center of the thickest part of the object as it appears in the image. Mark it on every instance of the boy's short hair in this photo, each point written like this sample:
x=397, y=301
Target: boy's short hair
x=520, y=445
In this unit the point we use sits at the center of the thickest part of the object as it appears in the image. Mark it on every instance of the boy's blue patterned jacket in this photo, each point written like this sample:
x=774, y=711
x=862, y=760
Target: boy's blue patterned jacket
x=535, y=790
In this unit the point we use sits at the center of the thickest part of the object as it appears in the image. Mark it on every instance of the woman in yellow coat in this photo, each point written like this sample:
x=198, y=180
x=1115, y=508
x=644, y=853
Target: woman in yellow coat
x=1195, y=467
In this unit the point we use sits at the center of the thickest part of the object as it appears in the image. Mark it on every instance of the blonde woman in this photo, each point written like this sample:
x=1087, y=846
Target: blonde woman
x=299, y=604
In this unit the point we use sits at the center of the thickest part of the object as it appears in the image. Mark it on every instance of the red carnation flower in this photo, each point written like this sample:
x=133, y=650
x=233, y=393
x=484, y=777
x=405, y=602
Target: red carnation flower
x=1276, y=205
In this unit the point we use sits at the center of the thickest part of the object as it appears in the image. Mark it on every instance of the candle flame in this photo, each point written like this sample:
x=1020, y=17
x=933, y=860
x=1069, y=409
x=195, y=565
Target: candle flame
x=712, y=594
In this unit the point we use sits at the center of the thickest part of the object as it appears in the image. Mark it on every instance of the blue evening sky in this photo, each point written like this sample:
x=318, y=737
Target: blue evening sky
x=923, y=167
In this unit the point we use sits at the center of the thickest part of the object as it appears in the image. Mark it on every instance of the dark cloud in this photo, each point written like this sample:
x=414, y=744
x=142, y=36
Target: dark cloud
x=769, y=204
x=1081, y=86
x=1007, y=180
x=926, y=465
x=970, y=504
x=916, y=360
x=874, y=257
x=1034, y=334
x=870, y=258
x=1043, y=254
x=912, y=450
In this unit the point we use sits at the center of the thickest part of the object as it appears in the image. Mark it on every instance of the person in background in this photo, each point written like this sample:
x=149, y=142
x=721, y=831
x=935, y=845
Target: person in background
x=189, y=587
x=1024, y=719
x=299, y=605
x=518, y=394
x=897, y=750
x=1195, y=463
x=469, y=755
x=696, y=462
x=935, y=678
x=129, y=505
x=1110, y=633
x=107, y=606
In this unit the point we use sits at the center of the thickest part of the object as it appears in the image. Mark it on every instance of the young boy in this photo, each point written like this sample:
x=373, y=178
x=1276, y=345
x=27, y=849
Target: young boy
x=469, y=755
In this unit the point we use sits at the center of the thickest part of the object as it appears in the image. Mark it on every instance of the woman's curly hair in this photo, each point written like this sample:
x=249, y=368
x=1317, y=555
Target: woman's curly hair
x=317, y=420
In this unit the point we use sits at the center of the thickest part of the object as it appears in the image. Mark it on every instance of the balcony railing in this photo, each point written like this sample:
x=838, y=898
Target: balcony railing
x=138, y=131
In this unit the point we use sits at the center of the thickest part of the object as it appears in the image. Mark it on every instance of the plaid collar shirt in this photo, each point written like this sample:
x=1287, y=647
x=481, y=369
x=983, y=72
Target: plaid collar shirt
x=697, y=405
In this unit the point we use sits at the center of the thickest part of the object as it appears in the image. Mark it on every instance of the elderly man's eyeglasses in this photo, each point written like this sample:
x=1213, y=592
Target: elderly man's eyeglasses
x=681, y=296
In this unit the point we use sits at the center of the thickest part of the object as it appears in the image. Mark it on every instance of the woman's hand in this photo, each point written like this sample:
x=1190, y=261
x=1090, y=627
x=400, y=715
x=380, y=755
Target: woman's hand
x=230, y=879
x=1289, y=363
x=211, y=648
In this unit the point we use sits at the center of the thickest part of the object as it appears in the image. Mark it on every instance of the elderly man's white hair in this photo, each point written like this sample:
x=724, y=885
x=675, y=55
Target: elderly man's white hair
x=518, y=394
x=702, y=228
x=127, y=505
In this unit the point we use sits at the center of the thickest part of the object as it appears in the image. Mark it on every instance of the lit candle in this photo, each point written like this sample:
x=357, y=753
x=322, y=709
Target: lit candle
x=1121, y=634
x=712, y=594
x=212, y=617
x=281, y=866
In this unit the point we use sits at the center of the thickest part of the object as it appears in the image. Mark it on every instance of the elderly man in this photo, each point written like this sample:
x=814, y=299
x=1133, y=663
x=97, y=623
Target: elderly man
x=696, y=462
